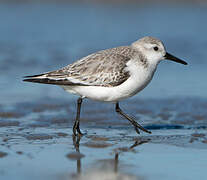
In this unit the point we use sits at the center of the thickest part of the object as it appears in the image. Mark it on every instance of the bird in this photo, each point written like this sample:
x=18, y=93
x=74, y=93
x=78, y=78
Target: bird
x=110, y=75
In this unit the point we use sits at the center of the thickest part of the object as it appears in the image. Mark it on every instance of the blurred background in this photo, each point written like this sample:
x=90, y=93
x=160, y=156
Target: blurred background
x=40, y=36
x=36, y=119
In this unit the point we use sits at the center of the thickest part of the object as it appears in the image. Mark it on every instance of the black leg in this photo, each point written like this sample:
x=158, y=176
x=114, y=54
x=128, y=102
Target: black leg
x=76, y=127
x=134, y=123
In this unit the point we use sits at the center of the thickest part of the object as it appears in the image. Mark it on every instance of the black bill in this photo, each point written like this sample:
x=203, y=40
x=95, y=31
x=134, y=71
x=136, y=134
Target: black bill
x=173, y=58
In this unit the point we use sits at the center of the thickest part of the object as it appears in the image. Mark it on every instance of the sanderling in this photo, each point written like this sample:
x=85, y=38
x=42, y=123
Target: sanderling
x=110, y=75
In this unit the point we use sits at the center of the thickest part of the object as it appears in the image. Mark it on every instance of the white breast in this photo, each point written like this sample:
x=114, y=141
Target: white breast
x=139, y=78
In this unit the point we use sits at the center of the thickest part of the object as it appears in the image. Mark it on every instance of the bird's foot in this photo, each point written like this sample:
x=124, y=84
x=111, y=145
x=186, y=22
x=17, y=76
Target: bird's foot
x=137, y=126
x=76, y=130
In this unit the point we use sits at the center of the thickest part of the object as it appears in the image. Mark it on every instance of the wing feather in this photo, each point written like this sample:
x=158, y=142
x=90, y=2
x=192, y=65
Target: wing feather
x=104, y=68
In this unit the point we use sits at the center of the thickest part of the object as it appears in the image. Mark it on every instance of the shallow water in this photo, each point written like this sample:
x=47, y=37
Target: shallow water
x=36, y=120
x=104, y=154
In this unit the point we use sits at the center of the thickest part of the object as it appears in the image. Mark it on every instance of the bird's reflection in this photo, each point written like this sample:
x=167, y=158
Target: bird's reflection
x=116, y=161
x=137, y=142
x=76, y=143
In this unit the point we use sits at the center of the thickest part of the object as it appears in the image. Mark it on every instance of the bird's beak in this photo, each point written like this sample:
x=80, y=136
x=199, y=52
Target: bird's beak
x=173, y=58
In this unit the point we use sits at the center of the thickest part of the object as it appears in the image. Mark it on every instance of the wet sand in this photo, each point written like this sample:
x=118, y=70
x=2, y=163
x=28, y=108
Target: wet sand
x=36, y=142
x=119, y=154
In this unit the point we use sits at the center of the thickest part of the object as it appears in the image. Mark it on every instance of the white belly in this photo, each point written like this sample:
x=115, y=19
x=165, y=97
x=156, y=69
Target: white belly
x=138, y=80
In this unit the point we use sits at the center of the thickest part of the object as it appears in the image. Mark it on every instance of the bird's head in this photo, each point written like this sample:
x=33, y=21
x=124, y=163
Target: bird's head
x=154, y=50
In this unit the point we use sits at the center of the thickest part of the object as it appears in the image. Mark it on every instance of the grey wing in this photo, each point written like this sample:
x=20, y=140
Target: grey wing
x=98, y=69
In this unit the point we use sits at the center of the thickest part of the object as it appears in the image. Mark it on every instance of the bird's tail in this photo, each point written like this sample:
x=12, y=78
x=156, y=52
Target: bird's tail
x=39, y=78
x=45, y=79
x=34, y=78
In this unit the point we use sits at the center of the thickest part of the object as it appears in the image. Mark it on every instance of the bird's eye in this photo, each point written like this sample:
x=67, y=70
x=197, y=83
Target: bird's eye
x=156, y=48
